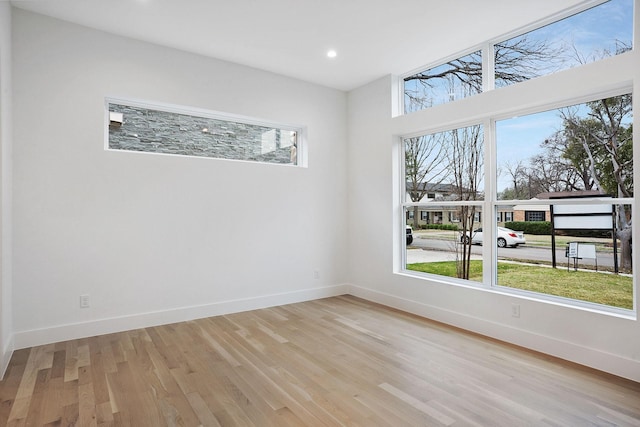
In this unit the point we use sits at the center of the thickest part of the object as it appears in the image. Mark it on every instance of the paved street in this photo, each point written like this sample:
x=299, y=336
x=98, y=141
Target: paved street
x=445, y=248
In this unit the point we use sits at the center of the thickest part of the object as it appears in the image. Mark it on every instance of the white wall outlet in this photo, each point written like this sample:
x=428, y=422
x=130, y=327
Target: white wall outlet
x=84, y=301
x=515, y=310
x=316, y=274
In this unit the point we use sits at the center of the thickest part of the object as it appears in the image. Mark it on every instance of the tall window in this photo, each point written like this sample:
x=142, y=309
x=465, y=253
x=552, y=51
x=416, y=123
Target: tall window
x=560, y=217
x=452, y=161
x=593, y=34
x=574, y=158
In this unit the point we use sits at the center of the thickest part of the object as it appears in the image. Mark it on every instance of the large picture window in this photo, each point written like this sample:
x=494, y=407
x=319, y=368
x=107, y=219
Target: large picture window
x=563, y=203
x=572, y=158
x=556, y=182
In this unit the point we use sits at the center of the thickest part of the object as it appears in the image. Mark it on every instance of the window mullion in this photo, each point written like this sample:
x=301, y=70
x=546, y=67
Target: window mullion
x=488, y=67
x=489, y=255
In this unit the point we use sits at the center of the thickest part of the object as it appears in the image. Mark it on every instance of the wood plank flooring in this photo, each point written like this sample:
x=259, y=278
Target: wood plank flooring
x=333, y=362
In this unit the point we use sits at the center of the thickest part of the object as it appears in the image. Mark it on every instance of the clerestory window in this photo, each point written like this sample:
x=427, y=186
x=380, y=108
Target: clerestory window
x=603, y=30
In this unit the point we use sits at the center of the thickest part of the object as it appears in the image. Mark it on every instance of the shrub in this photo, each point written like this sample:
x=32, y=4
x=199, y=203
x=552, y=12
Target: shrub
x=585, y=233
x=453, y=227
x=530, y=227
x=544, y=228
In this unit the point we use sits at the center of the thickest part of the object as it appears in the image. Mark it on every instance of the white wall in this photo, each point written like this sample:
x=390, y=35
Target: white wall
x=599, y=340
x=156, y=239
x=6, y=344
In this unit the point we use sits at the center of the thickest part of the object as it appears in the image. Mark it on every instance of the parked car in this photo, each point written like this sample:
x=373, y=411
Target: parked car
x=409, y=235
x=506, y=237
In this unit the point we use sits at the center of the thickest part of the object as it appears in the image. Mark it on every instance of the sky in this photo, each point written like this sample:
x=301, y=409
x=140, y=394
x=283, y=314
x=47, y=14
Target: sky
x=520, y=138
x=594, y=28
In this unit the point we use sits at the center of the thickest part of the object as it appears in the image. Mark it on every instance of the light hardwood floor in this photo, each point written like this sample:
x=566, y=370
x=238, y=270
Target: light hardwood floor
x=336, y=361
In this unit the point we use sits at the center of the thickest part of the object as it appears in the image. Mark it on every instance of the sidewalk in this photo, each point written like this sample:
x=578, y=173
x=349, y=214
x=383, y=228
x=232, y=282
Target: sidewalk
x=421, y=255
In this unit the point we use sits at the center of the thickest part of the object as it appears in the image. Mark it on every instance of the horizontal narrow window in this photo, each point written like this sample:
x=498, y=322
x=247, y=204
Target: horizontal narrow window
x=602, y=31
x=151, y=130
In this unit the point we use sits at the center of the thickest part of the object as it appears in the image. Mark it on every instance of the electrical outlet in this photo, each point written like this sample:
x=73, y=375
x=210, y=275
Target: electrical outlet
x=316, y=274
x=84, y=301
x=515, y=310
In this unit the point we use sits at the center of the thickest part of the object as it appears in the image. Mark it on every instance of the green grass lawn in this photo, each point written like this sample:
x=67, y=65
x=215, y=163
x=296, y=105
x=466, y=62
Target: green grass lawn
x=607, y=289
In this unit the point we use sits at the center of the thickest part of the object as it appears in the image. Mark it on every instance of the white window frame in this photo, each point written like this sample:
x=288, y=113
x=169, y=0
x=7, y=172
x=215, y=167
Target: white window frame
x=487, y=52
x=491, y=204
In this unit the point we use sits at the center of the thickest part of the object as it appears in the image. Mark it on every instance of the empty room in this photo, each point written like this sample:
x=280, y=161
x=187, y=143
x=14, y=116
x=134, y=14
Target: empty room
x=335, y=213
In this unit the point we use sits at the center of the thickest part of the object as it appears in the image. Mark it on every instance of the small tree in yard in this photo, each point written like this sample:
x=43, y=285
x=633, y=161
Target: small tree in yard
x=465, y=159
x=423, y=167
x=454, y=158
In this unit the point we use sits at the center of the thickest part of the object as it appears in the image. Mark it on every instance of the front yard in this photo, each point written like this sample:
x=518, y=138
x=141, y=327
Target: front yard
x=608, y=289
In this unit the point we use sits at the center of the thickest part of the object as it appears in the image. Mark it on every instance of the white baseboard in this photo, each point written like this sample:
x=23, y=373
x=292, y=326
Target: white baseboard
x=593, y=358
x=597, y=359
x=66, y=332
x=7, y=352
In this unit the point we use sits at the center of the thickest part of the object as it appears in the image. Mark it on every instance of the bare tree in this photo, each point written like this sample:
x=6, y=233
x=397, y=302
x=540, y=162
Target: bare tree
x=523, y=58
x=517, y=173
x=466, y=161
x=516, y=60
x=424, y=169
x=607, y=145
x=551, y=173
x=575, y=55
x=569, y=159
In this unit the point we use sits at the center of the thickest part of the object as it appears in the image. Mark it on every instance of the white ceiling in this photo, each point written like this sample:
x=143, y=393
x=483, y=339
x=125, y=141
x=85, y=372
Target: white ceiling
x=373, y=38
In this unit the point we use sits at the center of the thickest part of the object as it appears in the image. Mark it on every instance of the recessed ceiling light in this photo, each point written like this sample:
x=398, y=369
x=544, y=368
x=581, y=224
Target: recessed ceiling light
x=332, y=53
